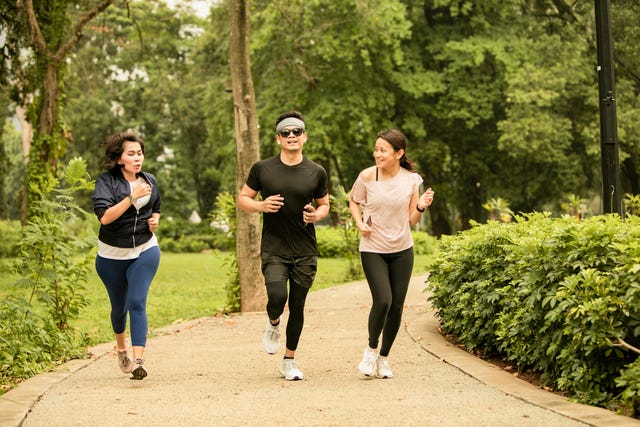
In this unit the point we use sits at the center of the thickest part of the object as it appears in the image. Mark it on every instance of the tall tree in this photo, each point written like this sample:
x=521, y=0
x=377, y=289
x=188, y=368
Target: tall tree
x=252, y=292
x=5, y=164
x=50, y=29
x=137, y=68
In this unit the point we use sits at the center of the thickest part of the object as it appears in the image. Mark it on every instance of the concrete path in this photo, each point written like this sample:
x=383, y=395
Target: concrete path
x=213, y=372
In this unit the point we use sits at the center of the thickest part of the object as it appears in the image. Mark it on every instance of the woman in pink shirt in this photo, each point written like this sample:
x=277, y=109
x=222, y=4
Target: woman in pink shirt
x=385, y=202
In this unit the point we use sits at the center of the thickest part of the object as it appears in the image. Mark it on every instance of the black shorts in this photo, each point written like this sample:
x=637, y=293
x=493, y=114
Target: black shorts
x=300, y=269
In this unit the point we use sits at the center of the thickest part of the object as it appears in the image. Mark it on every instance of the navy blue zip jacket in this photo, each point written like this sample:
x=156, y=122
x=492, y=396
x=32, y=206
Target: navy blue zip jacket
x=131, y=229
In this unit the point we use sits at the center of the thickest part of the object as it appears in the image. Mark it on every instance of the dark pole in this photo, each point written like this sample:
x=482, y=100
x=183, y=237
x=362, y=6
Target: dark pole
x=611, y=188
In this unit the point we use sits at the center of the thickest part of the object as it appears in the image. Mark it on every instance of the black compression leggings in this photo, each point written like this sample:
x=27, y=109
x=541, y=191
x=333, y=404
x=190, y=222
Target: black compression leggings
x=277, y=299
x=388, y=276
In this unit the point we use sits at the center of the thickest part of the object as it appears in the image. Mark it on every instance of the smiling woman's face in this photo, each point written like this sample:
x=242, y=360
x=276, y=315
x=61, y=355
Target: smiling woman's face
x=385, y=155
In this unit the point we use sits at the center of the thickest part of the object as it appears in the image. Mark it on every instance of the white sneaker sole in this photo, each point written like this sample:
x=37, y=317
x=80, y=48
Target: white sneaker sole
x=366, y=372
x=293, y=377
x=384, y=376
x=297, y=375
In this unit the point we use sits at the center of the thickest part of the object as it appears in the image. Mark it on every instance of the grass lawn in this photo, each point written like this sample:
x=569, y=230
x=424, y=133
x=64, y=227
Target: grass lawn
x=187, y=286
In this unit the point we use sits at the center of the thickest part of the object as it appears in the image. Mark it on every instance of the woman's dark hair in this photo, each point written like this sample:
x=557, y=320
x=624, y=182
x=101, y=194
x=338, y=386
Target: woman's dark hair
x=399, y=142
x=114, y=145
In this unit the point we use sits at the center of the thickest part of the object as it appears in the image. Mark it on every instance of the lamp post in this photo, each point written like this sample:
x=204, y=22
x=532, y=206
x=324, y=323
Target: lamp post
x=611, y=188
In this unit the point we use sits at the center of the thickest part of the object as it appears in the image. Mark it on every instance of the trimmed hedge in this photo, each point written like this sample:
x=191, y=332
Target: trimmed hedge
x=556, y=296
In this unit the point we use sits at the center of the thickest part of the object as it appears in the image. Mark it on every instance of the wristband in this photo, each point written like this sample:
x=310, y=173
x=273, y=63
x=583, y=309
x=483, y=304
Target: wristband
x=132, y=199
x=420, y=210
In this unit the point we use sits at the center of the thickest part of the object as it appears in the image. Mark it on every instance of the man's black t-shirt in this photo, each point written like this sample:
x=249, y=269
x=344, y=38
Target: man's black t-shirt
x=284, y=232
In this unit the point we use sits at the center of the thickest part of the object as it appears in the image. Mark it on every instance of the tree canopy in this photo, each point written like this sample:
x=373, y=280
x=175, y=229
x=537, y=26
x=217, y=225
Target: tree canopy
x=499, y=99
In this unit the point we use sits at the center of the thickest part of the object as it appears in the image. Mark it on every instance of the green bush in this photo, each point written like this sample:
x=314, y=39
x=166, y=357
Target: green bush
x=553, y=295
x=225, y=232
x=55, y=259
x=54, y=262
x=424, y=243
x=331, y=244
x=31, y=343
x=183, y=236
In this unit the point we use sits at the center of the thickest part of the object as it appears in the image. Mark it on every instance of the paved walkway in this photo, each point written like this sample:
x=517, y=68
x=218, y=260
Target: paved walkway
x=213, y=372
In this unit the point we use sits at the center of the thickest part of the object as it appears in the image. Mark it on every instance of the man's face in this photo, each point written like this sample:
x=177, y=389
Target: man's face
x=291, y=138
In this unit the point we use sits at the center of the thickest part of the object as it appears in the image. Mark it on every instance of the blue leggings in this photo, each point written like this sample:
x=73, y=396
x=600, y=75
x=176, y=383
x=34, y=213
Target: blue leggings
x=127, y=282
x=388, y=276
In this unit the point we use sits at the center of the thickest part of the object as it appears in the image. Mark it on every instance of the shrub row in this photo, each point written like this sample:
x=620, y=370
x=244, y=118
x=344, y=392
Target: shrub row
x=556, y=296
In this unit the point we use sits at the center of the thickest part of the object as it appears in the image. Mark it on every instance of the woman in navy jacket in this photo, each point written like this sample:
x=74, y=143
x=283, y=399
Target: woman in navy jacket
x=127, y=203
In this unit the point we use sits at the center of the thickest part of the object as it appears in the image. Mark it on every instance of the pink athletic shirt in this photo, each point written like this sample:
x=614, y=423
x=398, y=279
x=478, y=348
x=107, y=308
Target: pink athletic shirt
x=385, y=206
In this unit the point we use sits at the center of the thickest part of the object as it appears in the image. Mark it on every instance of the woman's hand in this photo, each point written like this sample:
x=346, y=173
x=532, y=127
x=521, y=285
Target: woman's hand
x=141, y=190
x=426, y=199
x=365, y=230
x=153, y=223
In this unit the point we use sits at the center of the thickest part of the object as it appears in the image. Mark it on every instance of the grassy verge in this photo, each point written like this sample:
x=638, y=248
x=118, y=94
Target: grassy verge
x=187, y=286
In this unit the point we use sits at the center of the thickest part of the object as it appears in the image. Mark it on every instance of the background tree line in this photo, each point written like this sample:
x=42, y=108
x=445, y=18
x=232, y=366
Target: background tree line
x=498, y=98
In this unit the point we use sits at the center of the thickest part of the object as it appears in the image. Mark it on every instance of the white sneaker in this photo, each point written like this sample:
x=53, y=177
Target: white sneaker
x=290, y=371
x=382, y=368
x=368, y=365
x=271, y=337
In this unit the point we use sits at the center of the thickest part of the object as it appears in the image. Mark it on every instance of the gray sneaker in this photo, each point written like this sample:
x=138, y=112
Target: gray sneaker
x=290, y=371
x=139, y=372
x=271, y=337
x=124, y=362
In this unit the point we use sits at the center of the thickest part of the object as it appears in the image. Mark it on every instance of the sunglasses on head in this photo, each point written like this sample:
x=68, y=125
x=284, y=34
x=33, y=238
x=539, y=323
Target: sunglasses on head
x=285, y=132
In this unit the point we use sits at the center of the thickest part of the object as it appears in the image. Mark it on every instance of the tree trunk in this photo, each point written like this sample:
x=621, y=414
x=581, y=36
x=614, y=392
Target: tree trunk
x=26, y=136
x=252, y=290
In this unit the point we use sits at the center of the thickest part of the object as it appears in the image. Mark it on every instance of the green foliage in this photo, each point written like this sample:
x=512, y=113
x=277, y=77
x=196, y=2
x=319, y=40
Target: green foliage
x=489, y=93
x=331, y=243
x=574, y=206
x=498, y=209
x=424, y=243
x=632, y=204
x=350, y=234
x=225, y=229
x=183, y=236
x=31, y=343
x=552, y=295
x=629, y=381
x=11, y=235
x=55, y=261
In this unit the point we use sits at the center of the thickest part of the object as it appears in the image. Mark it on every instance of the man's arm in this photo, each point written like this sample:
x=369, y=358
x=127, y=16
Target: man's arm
x=322, y=208
x=247, y=201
